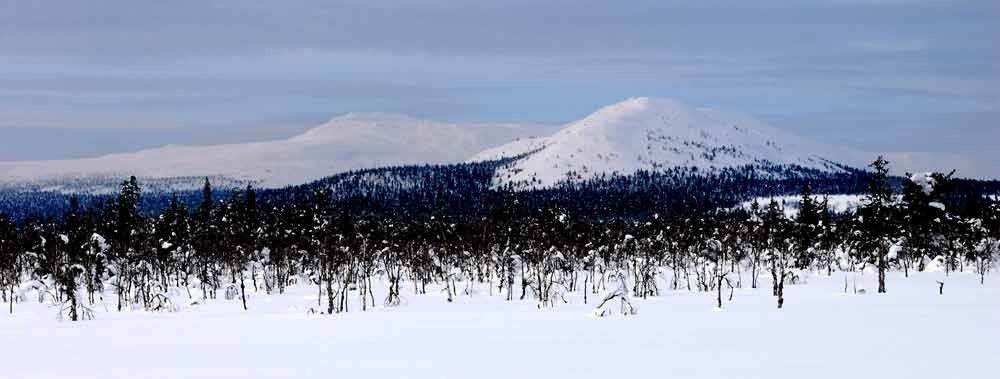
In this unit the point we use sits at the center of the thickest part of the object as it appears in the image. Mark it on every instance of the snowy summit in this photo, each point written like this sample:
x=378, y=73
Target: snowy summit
x=654, y=134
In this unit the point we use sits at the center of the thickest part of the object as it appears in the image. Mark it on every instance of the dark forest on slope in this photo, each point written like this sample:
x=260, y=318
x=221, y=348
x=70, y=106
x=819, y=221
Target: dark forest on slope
x=464, y=190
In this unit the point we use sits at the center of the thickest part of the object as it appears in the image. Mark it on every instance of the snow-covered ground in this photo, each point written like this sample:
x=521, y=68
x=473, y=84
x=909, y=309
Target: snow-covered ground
x=837, y=203
x=910, y=332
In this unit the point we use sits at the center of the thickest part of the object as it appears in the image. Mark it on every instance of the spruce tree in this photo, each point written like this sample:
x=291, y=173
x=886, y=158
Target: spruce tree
x=9, y=270
x=75, y=239
x=808, y=221
x=126, y=225
x=923, y=217
x=878, y=219
x=780, y=248
x=990, y=239
x=205, y=241
x=173, y=243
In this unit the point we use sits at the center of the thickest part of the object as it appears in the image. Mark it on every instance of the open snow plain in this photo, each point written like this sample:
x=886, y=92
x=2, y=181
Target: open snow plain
x=909, y=332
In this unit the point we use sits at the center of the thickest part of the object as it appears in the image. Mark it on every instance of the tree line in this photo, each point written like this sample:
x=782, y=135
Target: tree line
x=515, y=247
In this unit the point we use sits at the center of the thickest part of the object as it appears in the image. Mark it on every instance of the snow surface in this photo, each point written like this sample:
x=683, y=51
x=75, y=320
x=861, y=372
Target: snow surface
x=910, y=332
x=518, y=147
x=924, y=180
x=655, y=134
x=349, y=142
x=790, y=203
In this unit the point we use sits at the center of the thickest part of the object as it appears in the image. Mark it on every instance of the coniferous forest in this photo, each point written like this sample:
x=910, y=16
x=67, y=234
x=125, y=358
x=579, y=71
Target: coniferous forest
x=608, y=239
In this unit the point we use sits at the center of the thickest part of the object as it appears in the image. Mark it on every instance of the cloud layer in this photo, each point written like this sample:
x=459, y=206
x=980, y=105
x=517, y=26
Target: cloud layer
x=895, y=76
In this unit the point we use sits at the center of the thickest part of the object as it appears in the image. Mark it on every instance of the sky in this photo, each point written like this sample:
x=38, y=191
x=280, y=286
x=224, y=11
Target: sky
x=918, y=79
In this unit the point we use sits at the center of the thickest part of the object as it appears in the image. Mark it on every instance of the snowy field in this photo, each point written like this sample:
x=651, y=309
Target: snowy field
x=910, y=332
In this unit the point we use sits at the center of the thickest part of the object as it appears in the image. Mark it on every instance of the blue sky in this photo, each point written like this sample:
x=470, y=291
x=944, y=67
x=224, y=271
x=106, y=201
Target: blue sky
x=85, y=78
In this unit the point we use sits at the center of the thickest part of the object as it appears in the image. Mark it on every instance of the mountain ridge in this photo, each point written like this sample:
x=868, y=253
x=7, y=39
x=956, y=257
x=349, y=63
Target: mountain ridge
x=637, y=134
x=347, y=142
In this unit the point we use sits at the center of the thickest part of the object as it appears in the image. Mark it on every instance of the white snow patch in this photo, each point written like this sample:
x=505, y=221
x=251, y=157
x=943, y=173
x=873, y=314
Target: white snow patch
x=790, y=203
x=924, y=180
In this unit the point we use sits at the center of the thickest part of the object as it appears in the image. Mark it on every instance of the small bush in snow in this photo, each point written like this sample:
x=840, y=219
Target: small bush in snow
x=616, y=300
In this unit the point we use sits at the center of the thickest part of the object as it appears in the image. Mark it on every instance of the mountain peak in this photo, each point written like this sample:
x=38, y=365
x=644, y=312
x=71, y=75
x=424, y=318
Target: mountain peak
x=349, y=123
x=636, y=110
x=655, y=134
x=373, y=116
x=652, y=102
x=644, y=104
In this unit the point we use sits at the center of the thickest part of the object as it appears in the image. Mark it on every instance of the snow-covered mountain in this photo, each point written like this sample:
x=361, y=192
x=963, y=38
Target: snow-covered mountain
x=352, y=141
x=637, y=134
x=657, y=134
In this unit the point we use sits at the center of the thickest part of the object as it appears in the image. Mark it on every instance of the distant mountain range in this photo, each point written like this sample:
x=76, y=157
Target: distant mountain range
x=350, y=142
x=636, y=134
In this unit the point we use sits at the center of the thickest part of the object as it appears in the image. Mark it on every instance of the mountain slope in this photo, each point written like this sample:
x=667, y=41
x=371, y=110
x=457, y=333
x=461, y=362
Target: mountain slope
x=655, y=135
x=349, y=142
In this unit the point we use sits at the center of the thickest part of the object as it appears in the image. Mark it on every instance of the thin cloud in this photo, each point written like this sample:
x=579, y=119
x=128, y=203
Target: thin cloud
x=126, y=64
